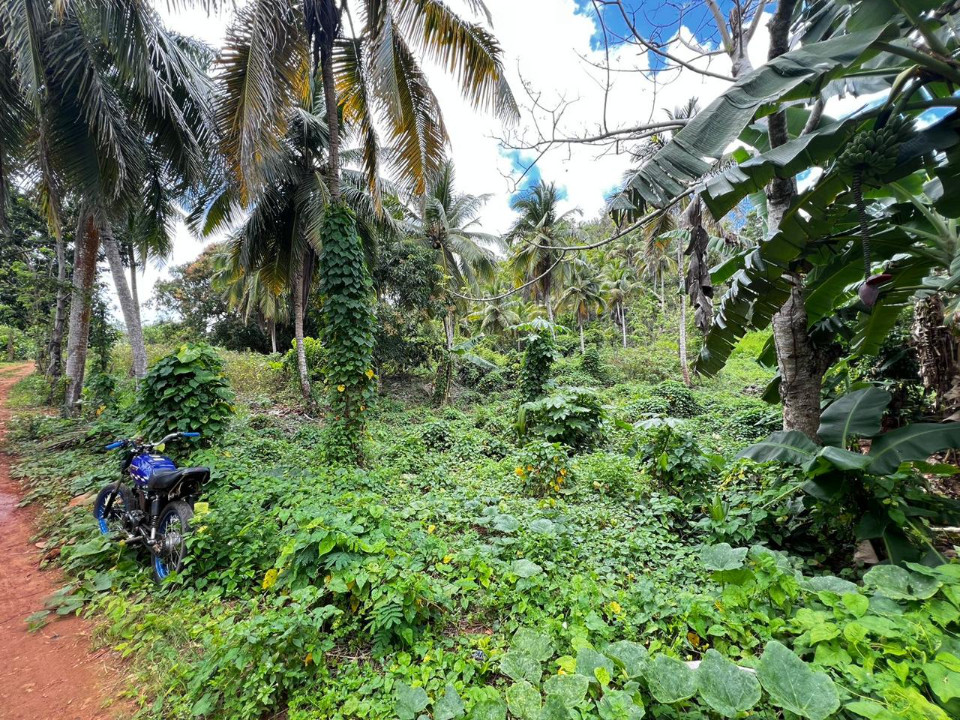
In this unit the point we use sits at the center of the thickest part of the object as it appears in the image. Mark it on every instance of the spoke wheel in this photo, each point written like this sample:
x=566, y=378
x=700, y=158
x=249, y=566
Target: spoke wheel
x=111, y=519
x=171, y=547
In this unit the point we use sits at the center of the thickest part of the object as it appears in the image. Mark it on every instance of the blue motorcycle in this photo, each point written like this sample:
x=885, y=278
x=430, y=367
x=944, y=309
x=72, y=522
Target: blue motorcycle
x=156, y=508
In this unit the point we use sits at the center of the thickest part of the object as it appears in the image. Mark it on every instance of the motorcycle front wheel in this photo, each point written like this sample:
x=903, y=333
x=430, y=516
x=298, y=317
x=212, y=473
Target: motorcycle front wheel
x=111, y=519
x=172, y=529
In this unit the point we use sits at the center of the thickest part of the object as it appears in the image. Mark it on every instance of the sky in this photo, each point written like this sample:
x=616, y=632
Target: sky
x=552, y=46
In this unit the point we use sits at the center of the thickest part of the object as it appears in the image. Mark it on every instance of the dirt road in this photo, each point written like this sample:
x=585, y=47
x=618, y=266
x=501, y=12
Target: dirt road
x=51, y=674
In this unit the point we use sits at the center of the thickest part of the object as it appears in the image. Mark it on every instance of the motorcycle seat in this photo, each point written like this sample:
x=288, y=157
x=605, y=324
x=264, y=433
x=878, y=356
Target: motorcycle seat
x=166, y=479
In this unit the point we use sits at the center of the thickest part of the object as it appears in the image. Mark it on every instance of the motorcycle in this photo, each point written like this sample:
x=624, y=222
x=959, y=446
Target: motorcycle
x=156, y=508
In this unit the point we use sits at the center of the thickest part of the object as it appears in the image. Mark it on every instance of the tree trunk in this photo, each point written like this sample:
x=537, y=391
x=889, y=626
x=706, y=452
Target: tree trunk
x=684, y=366
x=938, y=353
x=801, y=364
x=84, y=275
x=333, y=119
x=297, y=293
x=131, y=316
x=132, y=259
x=580, y=324
x=444, y=379
x=55, y=345
x=273, y=335
x=623, y=322
x=11, y=346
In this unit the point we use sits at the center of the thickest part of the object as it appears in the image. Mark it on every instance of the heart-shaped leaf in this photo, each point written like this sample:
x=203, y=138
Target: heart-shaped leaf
x=726, y=688
x=793, y=686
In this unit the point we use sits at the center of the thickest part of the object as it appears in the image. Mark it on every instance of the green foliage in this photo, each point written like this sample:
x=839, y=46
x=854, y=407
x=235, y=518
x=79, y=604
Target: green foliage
x=316, y=360
x=680, y=402
x=186, y=391
x=537, y=360
x=569, y=415
x=99, y=391
x=880, y=491
x=544, y=468
x=347, y=324
x=590, y=363
x=672, y=458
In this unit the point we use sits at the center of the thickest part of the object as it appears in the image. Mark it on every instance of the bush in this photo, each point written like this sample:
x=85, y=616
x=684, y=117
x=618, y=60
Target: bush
x=99, y=392
x=543, y=468
x=610, y=473
x=590, y=364
x=572, y=416
x=672, y=458
x=537, y=361
x=680, y=401
x=313, y=349
x=186, y=391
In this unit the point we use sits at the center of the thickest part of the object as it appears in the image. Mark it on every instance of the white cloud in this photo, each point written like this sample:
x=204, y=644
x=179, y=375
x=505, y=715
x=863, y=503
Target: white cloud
x=547, y=43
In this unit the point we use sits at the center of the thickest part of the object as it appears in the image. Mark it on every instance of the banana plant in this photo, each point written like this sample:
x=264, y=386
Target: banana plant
x=883, y=485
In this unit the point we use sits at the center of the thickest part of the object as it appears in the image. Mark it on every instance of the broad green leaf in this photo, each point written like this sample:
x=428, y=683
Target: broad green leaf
x=790, y=446
x=534, y=644
x=726, y=688
x=569, y=688
x=517, y=666
x=525, y=568
x=722, y=557
x=506, y=523
x=829, y=583
x=944, y=682
x=631, y=656
x=912, y=442
x=898, y=583
x=449, y=706
x=854, y=415
x=555, y=708
x=619, y=705
x=856, y=603
x=523, y=700
x=410, y=701
x=670, y=680
x=589, y=660
x=490, y=707
x=794, y=686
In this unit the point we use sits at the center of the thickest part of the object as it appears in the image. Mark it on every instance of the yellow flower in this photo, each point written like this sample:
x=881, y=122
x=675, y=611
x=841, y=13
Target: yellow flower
x=615, y=607
x=447, y=559
x=341, y=388
x=426, y=658
x=308, y=659
x=519, y=472
x=369, y=374
x=561, y=671
x=563, y=471
x=431, y=529
x=270, y=579
x=529, y=468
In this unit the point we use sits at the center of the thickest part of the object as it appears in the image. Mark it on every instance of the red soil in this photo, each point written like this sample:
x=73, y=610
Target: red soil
x=52, y=673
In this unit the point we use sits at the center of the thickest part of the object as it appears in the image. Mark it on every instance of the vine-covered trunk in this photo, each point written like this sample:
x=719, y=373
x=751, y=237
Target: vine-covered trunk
x=297, y=296
x=441, y=385
x=55, y=345
x=801, y=366
x=11, y=345
x=684, y=364
x=938, y=353
x=131, y=314
x=78, y=333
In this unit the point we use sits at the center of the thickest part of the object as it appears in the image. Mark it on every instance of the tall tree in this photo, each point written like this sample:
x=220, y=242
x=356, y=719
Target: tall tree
x=536, y=240
x=583, y=295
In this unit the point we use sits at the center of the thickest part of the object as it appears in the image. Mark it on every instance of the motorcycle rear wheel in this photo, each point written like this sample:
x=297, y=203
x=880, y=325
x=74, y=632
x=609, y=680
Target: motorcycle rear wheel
x=111, y=520
x=172, y=528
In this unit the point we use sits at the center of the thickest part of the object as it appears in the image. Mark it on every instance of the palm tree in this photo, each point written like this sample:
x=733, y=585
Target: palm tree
x=446, y=223
x=499, y=316
x=534, y=239
x=251, y=294
x=110, y=101
x=583, y=294
x=618, y=288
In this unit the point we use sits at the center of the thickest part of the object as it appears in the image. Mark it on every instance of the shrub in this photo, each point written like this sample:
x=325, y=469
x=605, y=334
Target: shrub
x=186, y=391
x=544, y=468
x=610, y=473
x=99, y=392
x=679, y=399
x=570, y=415
x=313, y=349
x=590, y=364
x=672, y=458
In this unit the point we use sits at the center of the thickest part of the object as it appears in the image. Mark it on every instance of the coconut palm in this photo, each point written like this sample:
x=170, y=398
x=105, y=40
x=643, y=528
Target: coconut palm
x=109, y=103
x=618, y=287
x=446, y=222
x=534, y=239
x=583, y=294
x=499, y=316
x=251, y=294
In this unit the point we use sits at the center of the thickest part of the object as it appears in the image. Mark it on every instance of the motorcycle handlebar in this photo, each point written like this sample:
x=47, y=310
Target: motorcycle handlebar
x=172, y=436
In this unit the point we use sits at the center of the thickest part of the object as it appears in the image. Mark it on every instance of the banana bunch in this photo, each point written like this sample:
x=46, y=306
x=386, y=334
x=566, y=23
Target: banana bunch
x=874, y=152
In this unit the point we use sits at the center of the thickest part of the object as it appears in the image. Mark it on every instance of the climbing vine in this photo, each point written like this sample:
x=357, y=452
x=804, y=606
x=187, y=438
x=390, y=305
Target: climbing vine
x=537, y=361
x=347, y=329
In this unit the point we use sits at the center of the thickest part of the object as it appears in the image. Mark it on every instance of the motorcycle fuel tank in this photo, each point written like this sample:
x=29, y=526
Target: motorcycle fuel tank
x=142, y=467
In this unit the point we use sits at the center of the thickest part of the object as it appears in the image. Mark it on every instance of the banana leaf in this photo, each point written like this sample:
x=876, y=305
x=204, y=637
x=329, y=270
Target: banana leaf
x=857, y=414
x=789, y=446
x=913, y=442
